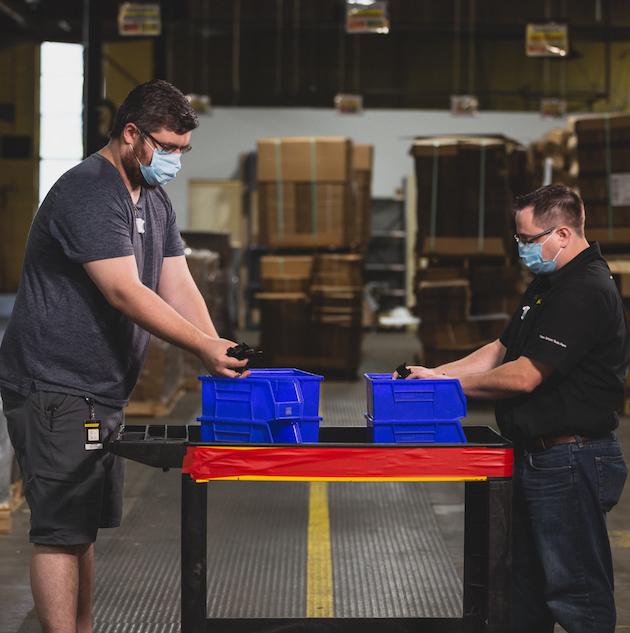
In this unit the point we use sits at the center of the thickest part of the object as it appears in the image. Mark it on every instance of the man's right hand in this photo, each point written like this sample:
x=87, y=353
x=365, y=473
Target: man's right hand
x=214, y=357
x=422, y=373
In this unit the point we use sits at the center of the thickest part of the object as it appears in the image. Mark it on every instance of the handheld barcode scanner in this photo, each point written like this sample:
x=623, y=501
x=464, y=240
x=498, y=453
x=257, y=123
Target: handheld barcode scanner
x=242, y=351
x=403, y=371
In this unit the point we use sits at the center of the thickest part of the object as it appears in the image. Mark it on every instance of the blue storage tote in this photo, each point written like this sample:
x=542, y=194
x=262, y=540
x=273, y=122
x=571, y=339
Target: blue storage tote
x=251, y=399
x=310, y=384
x=274, y=432
x=309, y=428
x=416, y=431
x=411, y=400
x=269, y=405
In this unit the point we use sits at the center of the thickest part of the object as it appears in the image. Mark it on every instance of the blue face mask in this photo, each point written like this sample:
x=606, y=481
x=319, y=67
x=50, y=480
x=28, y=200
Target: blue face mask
x=162, y=169
x=531, y=254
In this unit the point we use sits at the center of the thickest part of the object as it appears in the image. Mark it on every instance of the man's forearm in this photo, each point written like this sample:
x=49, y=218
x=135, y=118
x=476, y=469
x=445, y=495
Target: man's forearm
x=484, y=359
x=506, y=381
x=192, y=307
x=151, y=312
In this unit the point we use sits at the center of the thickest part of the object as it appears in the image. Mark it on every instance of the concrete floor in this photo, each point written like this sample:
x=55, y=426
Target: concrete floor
x=382, y=352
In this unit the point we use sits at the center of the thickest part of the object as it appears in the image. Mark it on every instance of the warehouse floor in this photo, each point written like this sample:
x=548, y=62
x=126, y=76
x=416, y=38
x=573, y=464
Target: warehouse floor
x=397, y=548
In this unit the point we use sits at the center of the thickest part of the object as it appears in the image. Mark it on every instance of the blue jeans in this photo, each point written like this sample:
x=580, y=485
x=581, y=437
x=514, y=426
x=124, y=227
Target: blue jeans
x=561, y=559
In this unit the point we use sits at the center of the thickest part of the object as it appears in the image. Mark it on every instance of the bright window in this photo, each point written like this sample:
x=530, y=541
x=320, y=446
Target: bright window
x=61, y=107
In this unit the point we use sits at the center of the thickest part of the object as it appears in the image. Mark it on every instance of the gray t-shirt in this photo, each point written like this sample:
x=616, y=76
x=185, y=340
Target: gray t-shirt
x=63, y=335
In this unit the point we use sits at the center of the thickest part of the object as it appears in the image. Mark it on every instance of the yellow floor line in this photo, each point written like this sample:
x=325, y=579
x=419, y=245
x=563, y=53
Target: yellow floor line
x=319, y=580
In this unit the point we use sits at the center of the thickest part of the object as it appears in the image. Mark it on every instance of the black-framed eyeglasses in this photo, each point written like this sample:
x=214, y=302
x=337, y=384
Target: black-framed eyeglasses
x=530, y=240
x=166, y=147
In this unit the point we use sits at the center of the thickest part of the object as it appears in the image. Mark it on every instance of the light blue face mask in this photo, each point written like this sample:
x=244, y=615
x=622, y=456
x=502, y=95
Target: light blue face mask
x=531, y=254
x=163, y=167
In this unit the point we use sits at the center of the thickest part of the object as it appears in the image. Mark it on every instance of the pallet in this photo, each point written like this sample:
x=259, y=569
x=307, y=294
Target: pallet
x=16, y=499
x=153, y=408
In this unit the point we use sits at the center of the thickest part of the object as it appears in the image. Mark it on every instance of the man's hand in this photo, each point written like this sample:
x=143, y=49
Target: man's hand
x=422, y=373
x=213, y=355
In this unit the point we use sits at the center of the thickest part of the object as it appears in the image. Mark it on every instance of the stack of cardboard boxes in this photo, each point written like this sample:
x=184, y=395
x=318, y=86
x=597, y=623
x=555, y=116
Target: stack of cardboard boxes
x=314, y=218
x=467, y=278
x=599, y=157
x=620, y=268
x=311, y=311
x=362, y=166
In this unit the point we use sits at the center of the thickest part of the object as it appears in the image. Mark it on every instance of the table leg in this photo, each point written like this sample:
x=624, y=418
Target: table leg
x=488, y=556
x=194, y=524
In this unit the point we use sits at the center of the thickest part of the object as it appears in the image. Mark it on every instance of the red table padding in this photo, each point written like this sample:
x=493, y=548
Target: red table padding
x=316, y=463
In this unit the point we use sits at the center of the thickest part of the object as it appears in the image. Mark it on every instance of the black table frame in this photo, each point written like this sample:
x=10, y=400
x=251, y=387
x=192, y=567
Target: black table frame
x=487, y=544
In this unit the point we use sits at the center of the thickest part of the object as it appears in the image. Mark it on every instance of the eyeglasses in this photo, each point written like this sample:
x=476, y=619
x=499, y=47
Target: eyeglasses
x=166, y=147
x=530, y=240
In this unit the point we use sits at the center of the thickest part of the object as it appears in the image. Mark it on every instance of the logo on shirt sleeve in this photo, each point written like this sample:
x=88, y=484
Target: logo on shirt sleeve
x=552, y=340
x=525, y=309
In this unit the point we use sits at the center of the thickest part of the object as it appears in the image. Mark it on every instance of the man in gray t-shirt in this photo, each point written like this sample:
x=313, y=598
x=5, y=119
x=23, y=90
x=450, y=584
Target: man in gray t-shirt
x=104, y=268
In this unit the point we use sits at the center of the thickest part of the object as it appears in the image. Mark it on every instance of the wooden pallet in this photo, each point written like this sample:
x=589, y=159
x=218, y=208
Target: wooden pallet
x=153, y=408
x=15, y=501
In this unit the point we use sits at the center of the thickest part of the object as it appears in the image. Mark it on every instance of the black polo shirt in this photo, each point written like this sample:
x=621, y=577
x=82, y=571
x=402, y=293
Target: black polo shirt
x=572, y=320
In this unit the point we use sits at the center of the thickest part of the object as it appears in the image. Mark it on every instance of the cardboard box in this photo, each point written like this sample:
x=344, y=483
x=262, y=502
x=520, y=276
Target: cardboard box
x=443, y=301
x=286, y=266
x=363, y=157
x=161, y=375
x=338, y=270
x=591, y=129
x=479, y=204
x=304, y=215
x=305, y=159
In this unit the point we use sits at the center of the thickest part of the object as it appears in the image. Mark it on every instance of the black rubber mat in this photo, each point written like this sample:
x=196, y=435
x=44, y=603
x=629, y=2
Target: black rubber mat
x=257, y=549
x=389, y=559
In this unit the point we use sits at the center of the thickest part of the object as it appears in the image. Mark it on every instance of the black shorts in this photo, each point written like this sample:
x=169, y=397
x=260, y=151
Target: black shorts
x=70, y=490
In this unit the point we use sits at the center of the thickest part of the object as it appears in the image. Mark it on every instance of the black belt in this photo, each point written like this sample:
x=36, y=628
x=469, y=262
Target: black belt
x=542, y=443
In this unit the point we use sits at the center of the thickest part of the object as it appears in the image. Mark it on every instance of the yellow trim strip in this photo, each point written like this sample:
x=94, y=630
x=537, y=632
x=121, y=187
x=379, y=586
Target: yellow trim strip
x=332, y=479
x=319, y=577
x=91, y=425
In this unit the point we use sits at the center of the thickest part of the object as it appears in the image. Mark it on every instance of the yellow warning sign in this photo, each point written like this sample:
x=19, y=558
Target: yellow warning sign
x=139, y=19
x=547, y=40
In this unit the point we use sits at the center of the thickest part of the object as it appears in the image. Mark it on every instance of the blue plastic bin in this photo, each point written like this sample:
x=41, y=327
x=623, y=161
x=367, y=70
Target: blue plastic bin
x=310, y=384
x=270, y=405
x=251, y=399
x=412, y=400
x=309, y=428
x=416, y=431
x=274, y=432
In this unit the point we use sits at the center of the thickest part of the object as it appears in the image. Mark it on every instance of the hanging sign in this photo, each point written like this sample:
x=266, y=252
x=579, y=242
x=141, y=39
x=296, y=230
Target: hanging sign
x=464, y=105
x=136, y=19
x=547, y=40
x=365, y=16
x=349, y=104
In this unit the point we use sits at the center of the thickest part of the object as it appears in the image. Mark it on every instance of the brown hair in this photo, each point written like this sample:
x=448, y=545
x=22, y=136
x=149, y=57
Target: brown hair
x=553, y=204
x=153, y=105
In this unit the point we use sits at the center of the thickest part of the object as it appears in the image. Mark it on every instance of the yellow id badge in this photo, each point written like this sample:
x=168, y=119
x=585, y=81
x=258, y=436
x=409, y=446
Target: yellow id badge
x=93, y=439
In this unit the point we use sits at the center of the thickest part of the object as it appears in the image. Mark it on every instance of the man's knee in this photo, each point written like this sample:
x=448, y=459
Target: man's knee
x=68, y=550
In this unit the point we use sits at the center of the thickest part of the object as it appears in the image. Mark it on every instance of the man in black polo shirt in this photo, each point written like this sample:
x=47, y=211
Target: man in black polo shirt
x=557, y=374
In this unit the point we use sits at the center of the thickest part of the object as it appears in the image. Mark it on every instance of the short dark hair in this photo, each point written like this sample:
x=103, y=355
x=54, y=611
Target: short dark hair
x=153, y=105
x=553, y=204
